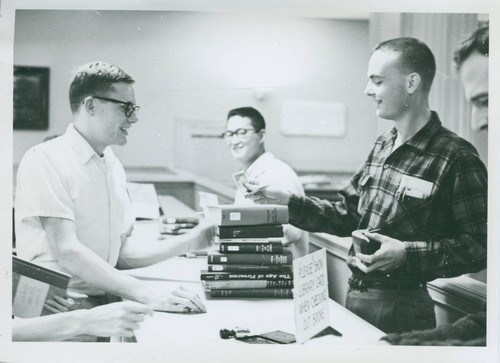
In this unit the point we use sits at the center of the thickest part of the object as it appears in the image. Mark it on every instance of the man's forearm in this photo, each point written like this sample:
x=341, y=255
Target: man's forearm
x=319, y=215
x=54, y=327
x=135, y=253
x=81, y=262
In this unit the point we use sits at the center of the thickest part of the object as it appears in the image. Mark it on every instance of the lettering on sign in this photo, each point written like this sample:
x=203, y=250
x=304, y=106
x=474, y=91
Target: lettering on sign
x=310, y=295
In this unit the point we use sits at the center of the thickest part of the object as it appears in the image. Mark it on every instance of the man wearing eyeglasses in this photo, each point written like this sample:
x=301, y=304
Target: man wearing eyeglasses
x=72, y=209
x=245, y=132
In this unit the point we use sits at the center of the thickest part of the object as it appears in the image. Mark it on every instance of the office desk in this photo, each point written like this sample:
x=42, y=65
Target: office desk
x=258, y=315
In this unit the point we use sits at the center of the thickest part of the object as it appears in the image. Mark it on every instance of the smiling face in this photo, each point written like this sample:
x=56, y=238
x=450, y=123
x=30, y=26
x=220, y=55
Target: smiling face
x=247, y=148
x=111, y=125
x=387, y=85
x=474, y=76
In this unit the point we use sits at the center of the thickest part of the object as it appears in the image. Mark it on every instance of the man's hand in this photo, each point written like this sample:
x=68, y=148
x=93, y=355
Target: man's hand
x=117, y=319
x=391, y=255
x=59, y=304
x=202, y=235
x=267, y=195
x=177, y=301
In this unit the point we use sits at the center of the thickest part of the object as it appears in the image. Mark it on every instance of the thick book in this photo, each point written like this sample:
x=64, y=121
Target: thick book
x=251, y=240
x=249, y=268
x=258, y=293
x=32, y=286
x=275, y=275
x=247, y=284
x=251, y=258
x=234, y=215
x=250, y=247
x=258, y=231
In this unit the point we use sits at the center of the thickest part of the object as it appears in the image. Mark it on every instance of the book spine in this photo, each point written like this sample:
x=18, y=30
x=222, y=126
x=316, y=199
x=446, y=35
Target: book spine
x=244, y=216
x=40, y=273
x=251, y=258
x=250, y=247
x=214, y=276
x=249, y=268
x=250, y=240
x=266, y=293
x=260, y=231
x=248, y=284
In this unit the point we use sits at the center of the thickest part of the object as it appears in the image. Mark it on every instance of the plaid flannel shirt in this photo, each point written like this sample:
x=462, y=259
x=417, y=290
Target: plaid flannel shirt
x=445, y=233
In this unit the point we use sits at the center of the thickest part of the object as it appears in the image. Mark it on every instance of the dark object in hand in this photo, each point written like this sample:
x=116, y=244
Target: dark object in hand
x=363, y=244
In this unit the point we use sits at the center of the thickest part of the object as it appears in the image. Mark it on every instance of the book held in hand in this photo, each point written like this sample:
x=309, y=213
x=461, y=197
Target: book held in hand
x=32, y=286
x=234, y=215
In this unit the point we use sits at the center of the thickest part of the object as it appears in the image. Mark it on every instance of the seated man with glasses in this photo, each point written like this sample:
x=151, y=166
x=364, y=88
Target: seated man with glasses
x=245, y=131
x=72, y=209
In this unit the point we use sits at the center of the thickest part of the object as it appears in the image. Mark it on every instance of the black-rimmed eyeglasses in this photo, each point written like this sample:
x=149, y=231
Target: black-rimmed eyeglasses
x=240, y=133
x=129, y=109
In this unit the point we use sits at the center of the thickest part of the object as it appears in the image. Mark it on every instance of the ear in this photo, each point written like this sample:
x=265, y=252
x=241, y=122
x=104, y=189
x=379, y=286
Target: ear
x=262, y=134
x=413, y=82
x=89, y=105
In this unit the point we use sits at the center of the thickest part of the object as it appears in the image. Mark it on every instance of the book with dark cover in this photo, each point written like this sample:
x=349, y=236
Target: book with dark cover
x=245, y=268
x=251, y=240
x=251, y=258
x=278, y=275
x=256, y=293
x=247, y=284
x=250, y=247
x=258, y=231
x=32, y=285
x=233, y=215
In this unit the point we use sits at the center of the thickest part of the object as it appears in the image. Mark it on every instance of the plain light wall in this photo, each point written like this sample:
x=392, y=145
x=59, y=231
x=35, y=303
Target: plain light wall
x=190, y=65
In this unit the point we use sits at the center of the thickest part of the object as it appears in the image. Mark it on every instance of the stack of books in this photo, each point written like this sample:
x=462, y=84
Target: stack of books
x=251, y=261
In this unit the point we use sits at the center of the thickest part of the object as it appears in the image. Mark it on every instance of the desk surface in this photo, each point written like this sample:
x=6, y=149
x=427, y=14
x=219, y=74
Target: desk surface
x=258, y=315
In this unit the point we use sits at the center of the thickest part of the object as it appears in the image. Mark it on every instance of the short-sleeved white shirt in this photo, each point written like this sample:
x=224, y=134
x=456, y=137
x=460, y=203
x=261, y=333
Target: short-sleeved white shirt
x=65, y=178
x=268, y=170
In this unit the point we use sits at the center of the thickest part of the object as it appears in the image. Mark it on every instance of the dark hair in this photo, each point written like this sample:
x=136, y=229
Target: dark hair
x=479, y=41
x=255, y=116
x=92, y=78
x=414, y=56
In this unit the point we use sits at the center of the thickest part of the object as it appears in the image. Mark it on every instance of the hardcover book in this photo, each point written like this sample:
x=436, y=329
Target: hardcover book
x=255, y=293
x=257, y=231
x=249, y=268
x=250, y=247
x=233, y=215
x=247, y=284
x=32, y=285
x=251, y=240
x=251, y=258
x=278, y=275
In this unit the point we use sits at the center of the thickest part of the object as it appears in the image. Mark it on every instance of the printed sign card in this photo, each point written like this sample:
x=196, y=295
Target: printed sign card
x=310, y=295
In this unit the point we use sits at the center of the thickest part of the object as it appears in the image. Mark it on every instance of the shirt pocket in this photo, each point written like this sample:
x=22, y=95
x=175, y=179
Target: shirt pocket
x=409, y=218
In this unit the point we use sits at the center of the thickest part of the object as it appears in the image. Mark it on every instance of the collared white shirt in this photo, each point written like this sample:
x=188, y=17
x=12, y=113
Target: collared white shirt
x=268, y=170
x=65, y=178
